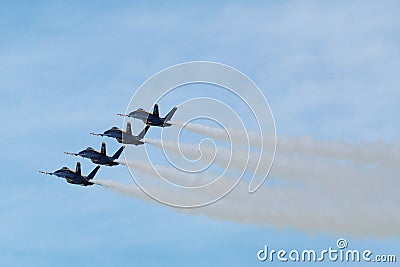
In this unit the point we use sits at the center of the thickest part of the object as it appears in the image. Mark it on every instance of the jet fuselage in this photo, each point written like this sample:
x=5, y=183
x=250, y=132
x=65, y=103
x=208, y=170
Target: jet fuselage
x=148, y=118
x=97, y=157
x=71, y=176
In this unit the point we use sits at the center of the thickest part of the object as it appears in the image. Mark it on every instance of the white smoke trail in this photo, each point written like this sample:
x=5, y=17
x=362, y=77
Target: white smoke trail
x=129, y=190
x=170, y=174
x=304, y=209
x=223, y=157
x=386, y=154
x=331, y=196
x=310, y=170
x=340, y=198
x=311, y=209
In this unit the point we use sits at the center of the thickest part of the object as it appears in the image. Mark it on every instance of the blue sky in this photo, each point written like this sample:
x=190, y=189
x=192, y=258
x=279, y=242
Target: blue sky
x=329, y=70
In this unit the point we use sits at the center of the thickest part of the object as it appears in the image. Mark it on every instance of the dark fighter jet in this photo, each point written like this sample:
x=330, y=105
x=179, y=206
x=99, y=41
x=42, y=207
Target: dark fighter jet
x=125, y=137
x=99, y=157
x=151, y=119
x=74, y=177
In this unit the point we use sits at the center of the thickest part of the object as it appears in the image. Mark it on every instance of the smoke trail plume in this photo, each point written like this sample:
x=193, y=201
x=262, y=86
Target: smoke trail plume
x=304, y=209
x=316, y=191
x=310, y=170
x=170, y=174
x=332, y=197
x=386, y=154
x=129, y=190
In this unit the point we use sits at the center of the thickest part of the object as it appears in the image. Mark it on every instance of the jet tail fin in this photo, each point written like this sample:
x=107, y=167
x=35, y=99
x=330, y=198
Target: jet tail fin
x=128, y=128
x=93, y=173
x=155, y=111
x=103, y=148
x=78, y=169
x=170, y=114
x=143, y=132
x=118, y=153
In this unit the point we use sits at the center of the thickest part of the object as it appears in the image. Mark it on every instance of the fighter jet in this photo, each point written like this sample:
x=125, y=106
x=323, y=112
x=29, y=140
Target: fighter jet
x=99, y=157
x=125, y=137
x=151, y=119
x=74, y=177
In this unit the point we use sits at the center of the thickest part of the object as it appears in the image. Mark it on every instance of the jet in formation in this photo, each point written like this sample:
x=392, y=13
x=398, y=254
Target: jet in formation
x=74, y=177
x=99, y=157
x=151, y=118
x=125, y=137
